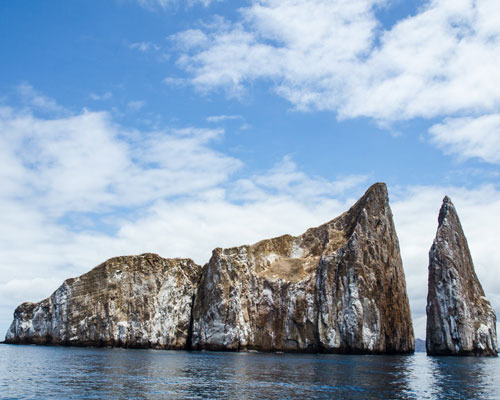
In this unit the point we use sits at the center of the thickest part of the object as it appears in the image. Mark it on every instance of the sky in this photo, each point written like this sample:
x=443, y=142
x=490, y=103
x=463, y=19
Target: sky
x=178, y=126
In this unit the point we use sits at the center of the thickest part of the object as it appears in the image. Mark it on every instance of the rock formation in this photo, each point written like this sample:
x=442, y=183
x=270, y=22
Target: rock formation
x=460, y=321
x=339, y=287
x=141, y=301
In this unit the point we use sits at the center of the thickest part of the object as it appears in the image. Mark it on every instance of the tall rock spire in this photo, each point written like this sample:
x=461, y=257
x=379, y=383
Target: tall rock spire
x=363, y=303
x=460, y=320
x=339, y=287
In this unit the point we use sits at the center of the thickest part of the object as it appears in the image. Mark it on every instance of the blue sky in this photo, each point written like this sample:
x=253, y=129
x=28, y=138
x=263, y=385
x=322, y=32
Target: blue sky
x=176, y=126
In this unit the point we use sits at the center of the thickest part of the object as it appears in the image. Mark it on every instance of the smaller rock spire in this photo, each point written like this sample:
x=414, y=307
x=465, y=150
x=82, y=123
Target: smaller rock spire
x=460, y=320
x=445, y=208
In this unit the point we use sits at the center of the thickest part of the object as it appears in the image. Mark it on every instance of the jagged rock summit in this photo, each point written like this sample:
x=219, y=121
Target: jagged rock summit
x=339, y=288
x=460, y=320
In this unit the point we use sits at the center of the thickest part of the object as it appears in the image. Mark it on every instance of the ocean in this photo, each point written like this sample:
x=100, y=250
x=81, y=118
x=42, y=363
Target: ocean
x=38, y=372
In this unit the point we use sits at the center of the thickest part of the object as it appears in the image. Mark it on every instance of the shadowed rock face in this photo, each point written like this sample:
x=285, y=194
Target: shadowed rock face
x=339, y=287
x=135, y=301
x=460, y=321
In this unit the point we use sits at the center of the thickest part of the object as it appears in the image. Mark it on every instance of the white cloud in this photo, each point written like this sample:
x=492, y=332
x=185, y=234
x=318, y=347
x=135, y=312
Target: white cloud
x=190, y=39
x=173, y=81
x=136, y=105
x=144, y=47
x=307, y=47
x=444, y=61
x=38, y=101
x=470, y=137
x=220, y=118
x=335, y=56
x=286, y=179
x=104, y=96
x=85, y=162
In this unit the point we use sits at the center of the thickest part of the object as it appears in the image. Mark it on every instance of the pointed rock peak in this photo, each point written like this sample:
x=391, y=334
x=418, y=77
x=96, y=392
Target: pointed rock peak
x=375, y=195
x=377, y=191
x=445, y=210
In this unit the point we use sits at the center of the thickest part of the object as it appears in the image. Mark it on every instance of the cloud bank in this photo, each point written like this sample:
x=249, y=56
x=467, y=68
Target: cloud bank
x=441, y=62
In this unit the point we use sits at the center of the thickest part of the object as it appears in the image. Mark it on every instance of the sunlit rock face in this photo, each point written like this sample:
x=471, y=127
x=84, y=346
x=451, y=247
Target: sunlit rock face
x=339, y=288
x=460, y=320
x=134, y=301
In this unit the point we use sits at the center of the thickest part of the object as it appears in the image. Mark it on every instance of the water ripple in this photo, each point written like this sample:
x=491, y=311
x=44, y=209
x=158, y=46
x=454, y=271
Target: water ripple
x=33, y=372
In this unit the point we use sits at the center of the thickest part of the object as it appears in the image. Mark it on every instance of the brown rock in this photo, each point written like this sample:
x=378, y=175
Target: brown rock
x=339, y=287
x=134, y=301
x=460, y=320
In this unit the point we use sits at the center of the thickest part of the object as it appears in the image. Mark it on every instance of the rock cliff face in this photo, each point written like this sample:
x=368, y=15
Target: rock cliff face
x=339, y=287
x=136, y=301
x=460, y=321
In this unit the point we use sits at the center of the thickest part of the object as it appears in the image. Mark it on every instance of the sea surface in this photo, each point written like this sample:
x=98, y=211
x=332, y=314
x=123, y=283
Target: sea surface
x=37, y=372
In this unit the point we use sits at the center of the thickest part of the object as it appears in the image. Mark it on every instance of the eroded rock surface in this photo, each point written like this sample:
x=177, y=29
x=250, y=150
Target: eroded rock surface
x=134, y=301
x=339, y=287
x=460, y=320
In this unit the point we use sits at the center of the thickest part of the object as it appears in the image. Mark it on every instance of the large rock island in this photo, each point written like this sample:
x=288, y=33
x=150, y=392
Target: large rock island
x=460, y=320
x=336, y=288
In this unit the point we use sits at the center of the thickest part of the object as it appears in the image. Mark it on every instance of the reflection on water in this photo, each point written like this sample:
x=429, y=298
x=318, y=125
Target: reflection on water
x=464, y=378
x=65, y=373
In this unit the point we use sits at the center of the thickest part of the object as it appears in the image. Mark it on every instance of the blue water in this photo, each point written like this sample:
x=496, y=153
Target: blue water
x=35, y=372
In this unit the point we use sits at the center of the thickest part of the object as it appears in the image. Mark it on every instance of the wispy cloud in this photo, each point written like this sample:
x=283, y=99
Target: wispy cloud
x=470, y=137
x=326, y=56
x=174, y=81
x=191, y=39
x=37, y=100
x=144, y=46
x=82, y=163
x=98, y=97
x=220, y=118
x=444, y=61
x=136, y=105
